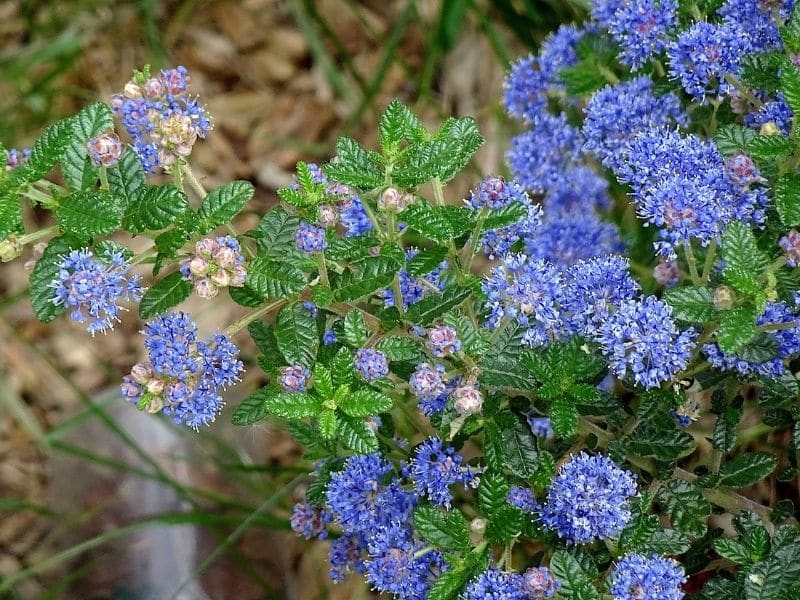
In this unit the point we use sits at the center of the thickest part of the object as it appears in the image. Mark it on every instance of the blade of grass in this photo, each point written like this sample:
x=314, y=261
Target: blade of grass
x=22, y=414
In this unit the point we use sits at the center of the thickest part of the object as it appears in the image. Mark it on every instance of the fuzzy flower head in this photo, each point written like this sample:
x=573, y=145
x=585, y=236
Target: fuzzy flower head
x=294, y=378
x=790, y=243
x=105, y=149
x=641, y=340
x=588, y=499
x=495, y=193
x=443, y=341
x=528, y=291
x=92, y=288
x=16, y=158
x=642, y=29
x=184, y=374
x=467, y=400
x=427, y=382
x=217, y=263
x=164, y=122
x=538, y=583
x=523, y=499
x=310, y=238
x=494, y=584
x=371, y=364
x=434, y=468
x=637, y=577
x=581, y=189
x=742, y=170
x=310, y=521
x=347, y=556
x=396, y=565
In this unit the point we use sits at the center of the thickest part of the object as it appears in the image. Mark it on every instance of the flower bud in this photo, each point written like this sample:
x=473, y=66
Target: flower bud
x=770, y=128
x=220, y=278
x=206, y=247
x=105, y=150
x=132, y=90
x=155, y=386
x=225, y=258
x=10, y=248
x=155, y=404
x=390, y=200
x=666, y=273
x=153, y=88
x=199, y=266
x=477, y=529
x=206, y=289
x=723, y=298
x=141, y=373
x=327, y=215
x=468, y=400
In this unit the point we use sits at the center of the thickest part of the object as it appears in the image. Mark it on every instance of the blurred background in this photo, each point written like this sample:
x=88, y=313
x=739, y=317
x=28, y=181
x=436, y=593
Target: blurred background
x=98, y=501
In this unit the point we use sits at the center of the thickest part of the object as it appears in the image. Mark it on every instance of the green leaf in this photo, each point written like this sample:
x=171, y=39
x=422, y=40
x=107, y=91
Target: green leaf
x=737, y=327
x=451, y=582
x=739, y=249
x=504, y=521
x=666, y=541
x=274, y=280
x=357, y=435
x=686, y=506
x=169, y=292
x=47, y=150
x=398, y=123
x=733, y=550
x=75, y=164
x=44, y=273
x=224, y=203
x=297, y=337
x=328, y=424
x=505, y=216
x=351, y=248
x=663, y=444
x=747, y=469
x=691, y=304
x=790, y=32
x=397, y=348
x=10, y=213
x=245, y=296
x=564, y=417
x=787, y=199
x=372, y=273
x=438, y=223
x=342, y=368
x=733, y=138
x=293, y=405
x=518, y=446
x=762, y=348
x=253, y=408
x=426, y=261
x=447, y=530
x=263, y=335
x=766, y=147
x=582, y=79
x=505, y=373
x=277, y=229
x=355, y=329
x=126, y=179
x=778, y=392
x=724, y=436
x=88, y=214
x=365, y=403
x=790, y=85
x=433, y=306
x=354, y=165
x=156, y=208
x=576, y=583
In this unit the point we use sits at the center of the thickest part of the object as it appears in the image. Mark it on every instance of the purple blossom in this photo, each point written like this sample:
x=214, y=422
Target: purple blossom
x=310, y=238
x=294, y=378
x=636, y=577
x=642, y=29
x=434, y=468
x=310, y=521
x=371, y=364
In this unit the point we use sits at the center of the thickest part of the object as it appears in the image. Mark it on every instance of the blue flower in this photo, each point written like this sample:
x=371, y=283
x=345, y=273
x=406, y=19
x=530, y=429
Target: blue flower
x=394, y=567
x=329, y=337
x=636, y=577
x=702, y=55
x=773, y=111
x=443, y=341
x=413, y=289
x=495, y=193
x=596, y=287
x=16, y=158
x=616, y=114
x=565, y=237
x=528, y=291
x=92, y=288
x=581, y=189
x=642, y=28
x=434, y=468
x=310, y=521
x=354, y=218
x=365, y=495
x=310, y=238
x=539, y=156
x=640, y=340
x=755, y=22
x=540, y=426
x=294, y=378
x=588, y=499
x=427, y=382
x=523, y=499
x=494, y=584
x=347, y=556
x=371, y=364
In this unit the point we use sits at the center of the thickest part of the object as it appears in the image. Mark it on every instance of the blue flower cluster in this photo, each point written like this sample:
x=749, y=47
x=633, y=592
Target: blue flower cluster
x=640, y=28
x=413, y=289
x=310, y=238
x=435, y=467
x=428, y=385
x=163, y=121
x=637, y=577
x=443, y=341
x=92, y=288
x=588, y=499
x=294, y=378
x=371, y=364
x=184, y=374
x=16, y=158
x=494, y=584
x=310, y=521
x=523, y=499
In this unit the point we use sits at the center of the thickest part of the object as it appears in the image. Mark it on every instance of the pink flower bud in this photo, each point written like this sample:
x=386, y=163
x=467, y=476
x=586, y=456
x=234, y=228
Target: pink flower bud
x=155, y=386
x=239, y=276
x=153, y=88
x=206, y=247
x=468, y=400
x=327, y=215
x=199, y=266
x=141, y=373
x=205, y=289
x=220, y=278
x=10, y=248
x=132, y=90
x=105, y=149
x=225, y=258
x=390, y=200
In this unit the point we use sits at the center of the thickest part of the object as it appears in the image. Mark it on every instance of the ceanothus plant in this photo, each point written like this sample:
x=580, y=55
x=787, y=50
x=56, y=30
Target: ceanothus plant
x=608, y=410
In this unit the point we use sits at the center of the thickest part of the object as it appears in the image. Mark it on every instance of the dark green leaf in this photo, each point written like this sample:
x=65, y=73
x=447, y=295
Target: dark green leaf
x=88, y=214
x=10, y=213
x=351, y=248
x=224, y=203
x=126, y=179
x=739, y=248
x=564, y=417
x=766, y=147
x=365, y=403
x=426, y=261
x=737, y=327
x=398, y=123
x=664, y=444
x=44, y=273
x=75, y=164
x=582, y=79
x=274, y=280
x=357, y=435
x=342, y=367
x=328, y=423
x=277, y=229
x=787, y=199
x=355, y=329
x=733, y=138
x=372, y=273
x=747, y=469
x=434, y=306
x=762, y=348
x=518, y=446
x=450, y=583
x=447, y=530
x=46, y=152
x=263, y=335
x=733, y=550
x=666, y=541
x=576, y=583
x=724, y=436
x=505, y=373
x=398, y=348
x=296, y=333
x=790, y=85
x=691, y=304
x=293, y=405
x=253, y=408
x=169, y=292
x=686, y=507
x=354, y=165
x=156, y=208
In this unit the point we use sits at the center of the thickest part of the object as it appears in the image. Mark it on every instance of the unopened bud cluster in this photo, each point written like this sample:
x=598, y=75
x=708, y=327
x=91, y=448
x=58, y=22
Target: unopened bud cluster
x=217, y=263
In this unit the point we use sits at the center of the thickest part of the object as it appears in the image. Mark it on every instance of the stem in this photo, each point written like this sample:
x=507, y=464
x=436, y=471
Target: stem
x=398, y=294
x=140, y=258
x=711, y=254
x=418, y=424
x=742, y=89
x=40, y=198
x=438, y=192
x=777, y=326
x=104, y=178
x=691, y=261
x=474, y=238
x=194, y=183
x=777, y=264
x=323, y=269
x=251, y=316
x=35, y=236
